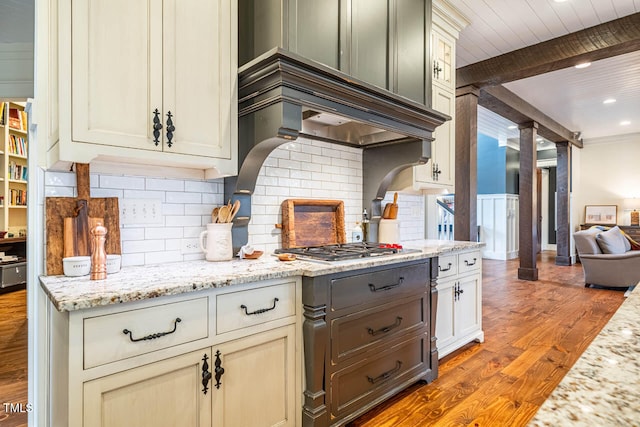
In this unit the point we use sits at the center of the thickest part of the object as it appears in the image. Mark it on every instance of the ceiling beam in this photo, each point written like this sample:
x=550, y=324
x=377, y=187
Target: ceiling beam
x=507, y=104
x=591, y=44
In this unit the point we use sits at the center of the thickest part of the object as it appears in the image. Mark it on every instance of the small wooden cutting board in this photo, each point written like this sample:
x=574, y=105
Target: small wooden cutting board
x=309, y=222
x=59, y=208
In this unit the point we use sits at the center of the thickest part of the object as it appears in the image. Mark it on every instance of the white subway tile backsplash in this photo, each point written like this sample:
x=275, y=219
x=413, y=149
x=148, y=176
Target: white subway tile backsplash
x=142, y=246
x=181, y=197
x=142, y=194
x=182, y=221
x=59, y=192
x=163, y=233
x=164, y=184
x=60, y=179
x=301, y=169
x=107, y=192
x=123, y=182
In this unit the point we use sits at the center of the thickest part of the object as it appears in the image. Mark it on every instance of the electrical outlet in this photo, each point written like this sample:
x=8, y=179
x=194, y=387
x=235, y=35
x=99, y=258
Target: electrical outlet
x=190, y=246
x=140, y=211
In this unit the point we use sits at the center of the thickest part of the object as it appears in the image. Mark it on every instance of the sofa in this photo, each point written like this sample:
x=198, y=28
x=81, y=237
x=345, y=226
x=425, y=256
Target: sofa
x=607, y=258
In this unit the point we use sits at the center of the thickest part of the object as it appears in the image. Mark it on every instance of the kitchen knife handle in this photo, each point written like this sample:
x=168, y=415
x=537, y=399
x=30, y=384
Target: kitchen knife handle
x=157, y=126
x=170, y=129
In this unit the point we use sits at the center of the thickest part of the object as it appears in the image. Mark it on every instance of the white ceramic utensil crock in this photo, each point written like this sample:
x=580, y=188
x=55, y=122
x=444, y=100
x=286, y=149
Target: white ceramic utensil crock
x=218, y=246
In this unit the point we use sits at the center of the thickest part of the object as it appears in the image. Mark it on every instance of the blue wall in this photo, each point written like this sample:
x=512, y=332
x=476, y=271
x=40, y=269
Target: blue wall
x=492, y=166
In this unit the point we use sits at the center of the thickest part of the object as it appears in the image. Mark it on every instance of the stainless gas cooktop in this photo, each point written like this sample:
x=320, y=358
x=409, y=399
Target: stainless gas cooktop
x=344, y=251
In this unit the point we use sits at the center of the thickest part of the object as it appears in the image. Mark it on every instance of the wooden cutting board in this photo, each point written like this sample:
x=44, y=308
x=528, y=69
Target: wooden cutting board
x=308, y=222
x=59, y=208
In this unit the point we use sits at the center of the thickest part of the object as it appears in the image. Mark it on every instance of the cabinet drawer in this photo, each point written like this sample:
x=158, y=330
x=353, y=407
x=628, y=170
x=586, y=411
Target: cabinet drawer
x=470, y=261
x=447, y=266
x=379, y=285
x=361, y=383
x=354, y=333
x=249, y=307
x=147, y=330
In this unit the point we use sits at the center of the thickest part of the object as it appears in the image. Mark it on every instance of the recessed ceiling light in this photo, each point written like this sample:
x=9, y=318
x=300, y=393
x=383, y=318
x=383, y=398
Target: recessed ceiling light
x=625, y=123
x=560, y=1
x=583, y=65
x=609, y=101
x=512, y=127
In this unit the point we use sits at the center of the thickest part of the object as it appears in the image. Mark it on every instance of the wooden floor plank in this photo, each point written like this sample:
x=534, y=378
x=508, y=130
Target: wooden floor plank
x=13, y=356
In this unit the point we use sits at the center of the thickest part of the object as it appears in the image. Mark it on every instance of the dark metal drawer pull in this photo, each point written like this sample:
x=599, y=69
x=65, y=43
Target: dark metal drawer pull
x=469, y=264
x=206, y=375
x=386, y=375
x=156, y=126
x=373, y=288
x=261, y=310
x=385, y=329
x=445, y=269
x=153, y=336
x=219, y=370
x=170, y=129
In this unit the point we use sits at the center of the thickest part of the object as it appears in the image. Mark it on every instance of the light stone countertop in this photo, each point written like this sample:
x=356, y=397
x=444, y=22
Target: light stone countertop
x=603, y=386
x=151, y=281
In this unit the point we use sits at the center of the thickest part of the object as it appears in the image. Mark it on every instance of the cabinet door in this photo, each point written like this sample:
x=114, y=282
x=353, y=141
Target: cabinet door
x=198, y=86
x=440, y=169
x=166, y=393
x=368, y=42
x=444, y=144
x=258, y=385
x=443, y=66
x=411, y=49
x=445, y=314
x=468, y=306
x=116, y=77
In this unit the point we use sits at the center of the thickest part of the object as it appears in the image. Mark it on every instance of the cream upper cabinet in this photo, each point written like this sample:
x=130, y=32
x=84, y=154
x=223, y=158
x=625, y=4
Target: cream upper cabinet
x=443, y=54
x=439, y=172
x=151, y=82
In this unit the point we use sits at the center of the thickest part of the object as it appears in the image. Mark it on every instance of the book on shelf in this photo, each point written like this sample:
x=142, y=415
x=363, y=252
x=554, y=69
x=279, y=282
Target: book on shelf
x=18, y=197
x=17, y=171
x=2, y=107
x=17, y=145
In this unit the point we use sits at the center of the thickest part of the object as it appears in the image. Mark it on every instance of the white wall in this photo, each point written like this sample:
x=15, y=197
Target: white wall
x=301, y=169
x=609, y=173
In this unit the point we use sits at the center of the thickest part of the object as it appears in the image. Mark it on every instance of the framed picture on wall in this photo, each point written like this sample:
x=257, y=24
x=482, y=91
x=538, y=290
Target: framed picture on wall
x=601, y=214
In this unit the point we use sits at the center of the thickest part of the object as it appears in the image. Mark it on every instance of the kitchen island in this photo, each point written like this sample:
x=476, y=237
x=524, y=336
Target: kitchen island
x=601, y=389
x=201, y=338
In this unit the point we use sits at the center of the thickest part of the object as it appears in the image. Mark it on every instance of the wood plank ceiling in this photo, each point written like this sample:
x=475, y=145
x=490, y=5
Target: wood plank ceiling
x=572, y=97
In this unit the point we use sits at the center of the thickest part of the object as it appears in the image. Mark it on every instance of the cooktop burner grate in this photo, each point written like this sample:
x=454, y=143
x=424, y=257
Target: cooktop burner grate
x=341, y=251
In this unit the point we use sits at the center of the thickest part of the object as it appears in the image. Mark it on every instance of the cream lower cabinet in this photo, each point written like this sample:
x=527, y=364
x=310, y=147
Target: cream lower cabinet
x=459, y=312
x=226, y=357
x=166, y=393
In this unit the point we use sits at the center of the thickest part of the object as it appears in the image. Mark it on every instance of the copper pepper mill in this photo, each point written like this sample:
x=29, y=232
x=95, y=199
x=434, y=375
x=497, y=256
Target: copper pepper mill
x=98, y=253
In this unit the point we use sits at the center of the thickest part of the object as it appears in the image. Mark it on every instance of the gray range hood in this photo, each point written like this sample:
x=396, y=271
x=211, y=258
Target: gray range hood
x=283, y=96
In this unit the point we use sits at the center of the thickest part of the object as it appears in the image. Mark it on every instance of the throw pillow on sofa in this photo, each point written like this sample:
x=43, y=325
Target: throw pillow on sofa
x=612, y=241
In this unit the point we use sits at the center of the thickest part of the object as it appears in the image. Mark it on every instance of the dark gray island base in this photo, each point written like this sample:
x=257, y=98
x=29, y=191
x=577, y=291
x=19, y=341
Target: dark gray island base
x=368, y=334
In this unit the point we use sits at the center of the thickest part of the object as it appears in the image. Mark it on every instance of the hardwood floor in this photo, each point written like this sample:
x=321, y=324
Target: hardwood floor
x=534, y=332
x=13, y=357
